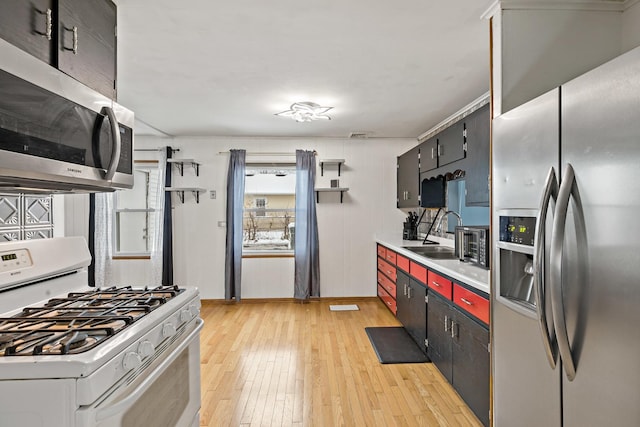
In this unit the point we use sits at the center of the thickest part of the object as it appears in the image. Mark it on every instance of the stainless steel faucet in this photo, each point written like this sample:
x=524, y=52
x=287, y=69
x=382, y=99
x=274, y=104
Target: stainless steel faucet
x=439, y=223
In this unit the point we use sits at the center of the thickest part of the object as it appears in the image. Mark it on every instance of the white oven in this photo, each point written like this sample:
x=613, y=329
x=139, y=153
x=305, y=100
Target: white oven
x=74, y=356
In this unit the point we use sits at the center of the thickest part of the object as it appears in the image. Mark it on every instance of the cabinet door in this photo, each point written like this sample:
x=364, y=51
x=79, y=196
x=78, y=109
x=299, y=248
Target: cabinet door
x=438, y=332
x=477, y=174
x=429, y=154
x=451, y=144
x=402, y=299
x=417, y=326
x=408, y=179
x=87, y=43
x=29, y=26
x=470, y=356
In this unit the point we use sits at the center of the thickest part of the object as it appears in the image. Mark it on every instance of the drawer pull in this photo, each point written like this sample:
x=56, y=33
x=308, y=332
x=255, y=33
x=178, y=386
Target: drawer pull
x=389, y=272
x=436, y=284
x=466, y=301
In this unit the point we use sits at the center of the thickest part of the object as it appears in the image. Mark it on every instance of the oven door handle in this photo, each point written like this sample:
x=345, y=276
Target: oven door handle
x=121, y=406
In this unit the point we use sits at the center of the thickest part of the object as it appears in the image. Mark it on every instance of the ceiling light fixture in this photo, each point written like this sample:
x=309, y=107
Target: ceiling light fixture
x=306, y=112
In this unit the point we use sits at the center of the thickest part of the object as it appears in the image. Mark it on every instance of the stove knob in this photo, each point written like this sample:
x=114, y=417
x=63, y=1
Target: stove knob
x=195, y=311
x=131, y=361
x=146, y=349
x=168, y=330
x=185, y=316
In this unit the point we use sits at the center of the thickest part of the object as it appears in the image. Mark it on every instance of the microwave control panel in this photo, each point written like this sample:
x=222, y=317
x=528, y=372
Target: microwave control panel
x=518, y=229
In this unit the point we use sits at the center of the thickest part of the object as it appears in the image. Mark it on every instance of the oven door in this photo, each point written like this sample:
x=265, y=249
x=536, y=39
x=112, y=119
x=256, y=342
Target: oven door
x=167, y=393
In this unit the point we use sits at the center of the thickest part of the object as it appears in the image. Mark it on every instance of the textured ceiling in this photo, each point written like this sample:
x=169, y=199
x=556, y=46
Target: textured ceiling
x=225, y=67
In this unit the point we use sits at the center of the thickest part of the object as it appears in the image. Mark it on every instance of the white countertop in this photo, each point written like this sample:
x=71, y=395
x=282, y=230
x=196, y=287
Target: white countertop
x=468, y=274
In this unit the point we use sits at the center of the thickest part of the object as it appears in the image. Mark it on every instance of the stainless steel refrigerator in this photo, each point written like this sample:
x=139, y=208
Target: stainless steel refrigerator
x=566, y=232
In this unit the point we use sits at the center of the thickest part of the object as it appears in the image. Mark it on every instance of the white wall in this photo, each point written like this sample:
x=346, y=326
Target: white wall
x=631, y=27
x=346, y=231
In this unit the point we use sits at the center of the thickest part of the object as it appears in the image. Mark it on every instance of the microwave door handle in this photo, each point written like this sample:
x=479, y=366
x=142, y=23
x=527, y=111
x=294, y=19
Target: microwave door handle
x=549, y=340
x=567, y=189
x=116, y=143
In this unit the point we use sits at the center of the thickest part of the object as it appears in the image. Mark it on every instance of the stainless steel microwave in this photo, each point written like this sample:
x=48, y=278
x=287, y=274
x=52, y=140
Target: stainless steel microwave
x=56, y=134
x=473, y=244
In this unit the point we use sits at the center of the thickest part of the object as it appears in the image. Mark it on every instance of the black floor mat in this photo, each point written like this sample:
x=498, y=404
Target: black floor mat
x=393, y=344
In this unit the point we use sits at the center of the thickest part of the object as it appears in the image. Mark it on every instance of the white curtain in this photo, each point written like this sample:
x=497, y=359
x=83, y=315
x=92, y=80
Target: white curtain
x=103, y=249
x=156, y=226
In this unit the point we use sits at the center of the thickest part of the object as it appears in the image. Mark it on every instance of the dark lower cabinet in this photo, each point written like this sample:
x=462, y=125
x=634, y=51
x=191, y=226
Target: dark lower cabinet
x=470, y=363
x=439, y=349
x=459, y=347
x=412, y=308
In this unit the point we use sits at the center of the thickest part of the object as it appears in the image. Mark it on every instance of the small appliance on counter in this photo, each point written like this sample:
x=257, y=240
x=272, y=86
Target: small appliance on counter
x=472, y=244
x=410, y=229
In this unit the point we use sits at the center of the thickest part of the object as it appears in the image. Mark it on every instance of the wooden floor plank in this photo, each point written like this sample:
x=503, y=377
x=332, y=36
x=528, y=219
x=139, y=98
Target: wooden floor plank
x=290, y=364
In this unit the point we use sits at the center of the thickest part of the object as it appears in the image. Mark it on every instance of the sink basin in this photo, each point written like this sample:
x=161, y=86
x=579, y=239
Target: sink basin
x=435, y=252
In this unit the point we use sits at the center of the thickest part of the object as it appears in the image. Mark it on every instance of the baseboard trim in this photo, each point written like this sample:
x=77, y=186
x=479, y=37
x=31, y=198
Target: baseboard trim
x=286, y=300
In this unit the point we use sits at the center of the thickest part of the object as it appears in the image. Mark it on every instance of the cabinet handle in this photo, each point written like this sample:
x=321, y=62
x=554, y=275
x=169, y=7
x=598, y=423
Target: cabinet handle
x=454, y=326
x=74, y=48
x=446, y=323
x=404, y=292
x=466, y=301
x=433, y=153
x=436, y=284
x=439, y=150
x=408, y=195
x=409, y=293
x=49, y=21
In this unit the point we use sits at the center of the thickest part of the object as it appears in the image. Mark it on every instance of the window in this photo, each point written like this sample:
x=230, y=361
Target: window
x=269, y=208
x=134, y=211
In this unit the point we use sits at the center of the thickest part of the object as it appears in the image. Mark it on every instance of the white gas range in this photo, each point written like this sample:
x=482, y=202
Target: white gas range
x=76, y=356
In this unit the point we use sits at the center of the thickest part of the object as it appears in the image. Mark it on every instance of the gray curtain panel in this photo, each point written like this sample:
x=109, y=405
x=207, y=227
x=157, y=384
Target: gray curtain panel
x=235, y=205
x=307, y=252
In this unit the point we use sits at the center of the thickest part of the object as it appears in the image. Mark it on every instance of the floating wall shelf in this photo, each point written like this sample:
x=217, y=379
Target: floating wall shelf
x=181, y=162
x=323, y=162
x=181, y=190
x=342, y=190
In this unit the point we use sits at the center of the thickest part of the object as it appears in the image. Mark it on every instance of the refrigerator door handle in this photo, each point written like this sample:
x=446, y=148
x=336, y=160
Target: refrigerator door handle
x=546, y=327
x=567, y=189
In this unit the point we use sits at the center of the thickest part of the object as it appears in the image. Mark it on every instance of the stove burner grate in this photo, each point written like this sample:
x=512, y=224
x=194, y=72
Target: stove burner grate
x=79, y=322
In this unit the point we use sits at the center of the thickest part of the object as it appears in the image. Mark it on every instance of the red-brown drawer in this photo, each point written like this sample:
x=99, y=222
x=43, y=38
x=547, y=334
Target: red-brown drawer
x=382, y=252
x=440, y=285
x=387, y=269
x=418, y=272
x=471, y=302
x=390, y=256
x=387, y=284
x=387, y=300
x=402, y=263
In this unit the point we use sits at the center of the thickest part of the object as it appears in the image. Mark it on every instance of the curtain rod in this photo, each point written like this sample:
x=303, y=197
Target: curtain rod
x=271, y=153
x=155, y=149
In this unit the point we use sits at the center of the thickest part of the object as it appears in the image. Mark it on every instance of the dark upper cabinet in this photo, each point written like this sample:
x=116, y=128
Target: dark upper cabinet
x=451, y=145
x=30, y=26
x=76, y=36
x=87, y=43
x=477, y=173
x=408, y=174
x=429, y=154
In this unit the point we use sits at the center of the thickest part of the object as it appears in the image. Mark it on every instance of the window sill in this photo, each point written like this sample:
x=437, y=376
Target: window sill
x=130, y=257
x=267, y=254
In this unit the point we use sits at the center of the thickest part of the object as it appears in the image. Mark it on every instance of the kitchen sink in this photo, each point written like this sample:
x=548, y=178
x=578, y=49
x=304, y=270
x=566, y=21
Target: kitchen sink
x=435, y=252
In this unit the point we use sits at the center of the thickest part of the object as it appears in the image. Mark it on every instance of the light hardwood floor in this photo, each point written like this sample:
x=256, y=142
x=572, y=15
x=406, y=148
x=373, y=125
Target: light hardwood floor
x=291, y=364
